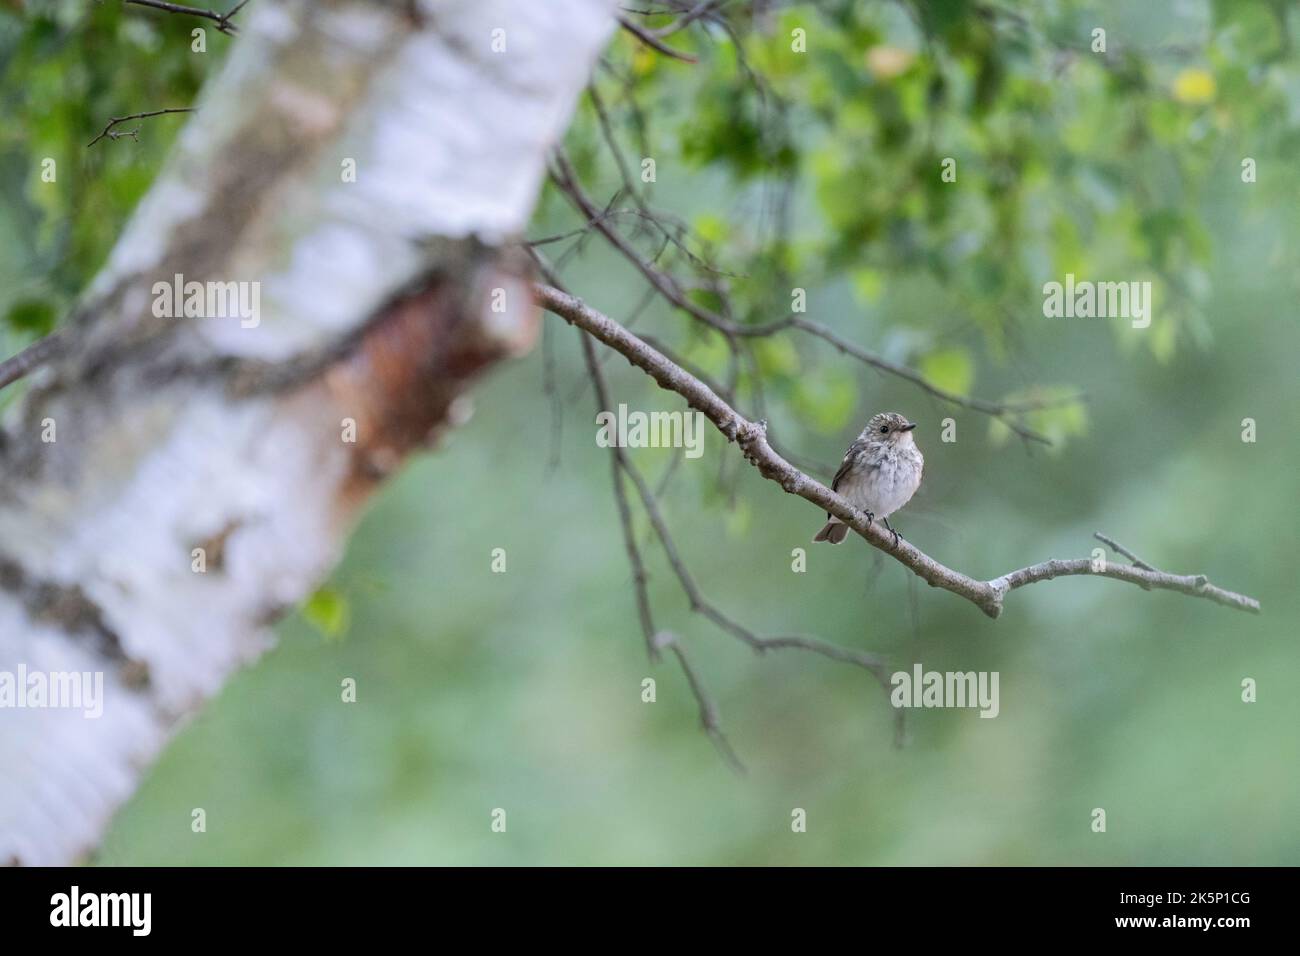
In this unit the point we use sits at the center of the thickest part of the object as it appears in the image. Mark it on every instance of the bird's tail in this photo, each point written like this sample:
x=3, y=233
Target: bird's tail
x=833, y=531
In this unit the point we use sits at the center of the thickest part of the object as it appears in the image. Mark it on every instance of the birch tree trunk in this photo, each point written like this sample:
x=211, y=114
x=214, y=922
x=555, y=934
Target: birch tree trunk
x=163, y=443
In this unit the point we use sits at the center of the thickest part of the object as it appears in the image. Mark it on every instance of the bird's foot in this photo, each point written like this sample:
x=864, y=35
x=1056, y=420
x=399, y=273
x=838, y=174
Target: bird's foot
x=891, y=530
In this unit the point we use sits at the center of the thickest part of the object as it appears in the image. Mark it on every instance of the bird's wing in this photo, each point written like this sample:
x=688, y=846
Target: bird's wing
x=854, y=450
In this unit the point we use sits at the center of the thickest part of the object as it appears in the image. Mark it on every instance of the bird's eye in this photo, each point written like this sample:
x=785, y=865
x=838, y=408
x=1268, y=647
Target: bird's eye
x=884, y=429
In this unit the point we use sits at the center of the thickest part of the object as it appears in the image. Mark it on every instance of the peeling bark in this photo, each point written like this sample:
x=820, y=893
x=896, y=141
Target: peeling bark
x=173, y=434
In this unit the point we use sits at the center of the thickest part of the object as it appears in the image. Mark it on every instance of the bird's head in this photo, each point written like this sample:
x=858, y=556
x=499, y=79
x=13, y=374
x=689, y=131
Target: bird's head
x=889, y=427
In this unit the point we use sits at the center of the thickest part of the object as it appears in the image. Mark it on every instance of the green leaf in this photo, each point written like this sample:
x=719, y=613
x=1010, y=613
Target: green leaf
x=712, y=228
x=868, y=284
x=36, y=316
x=950, y=370
x=327, y=610
x=777, y=357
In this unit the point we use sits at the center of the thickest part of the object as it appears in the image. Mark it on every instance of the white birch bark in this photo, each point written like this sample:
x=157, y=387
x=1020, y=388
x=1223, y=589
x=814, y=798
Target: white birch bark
x=172, y=434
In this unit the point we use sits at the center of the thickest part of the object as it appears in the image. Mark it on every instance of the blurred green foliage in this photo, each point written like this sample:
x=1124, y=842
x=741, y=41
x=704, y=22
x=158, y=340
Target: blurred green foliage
x=818, y=170
x=833, y=122
x=66, y=68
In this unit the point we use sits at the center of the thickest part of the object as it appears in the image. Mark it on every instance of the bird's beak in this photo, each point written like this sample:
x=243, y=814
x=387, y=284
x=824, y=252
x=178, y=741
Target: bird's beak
x=909, y=426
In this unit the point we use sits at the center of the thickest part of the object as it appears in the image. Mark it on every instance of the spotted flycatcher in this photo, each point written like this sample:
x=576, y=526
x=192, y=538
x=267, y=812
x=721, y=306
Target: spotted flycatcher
x=880, y=473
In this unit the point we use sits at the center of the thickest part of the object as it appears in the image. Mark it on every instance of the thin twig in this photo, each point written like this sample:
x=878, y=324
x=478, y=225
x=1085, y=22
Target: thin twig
x=639, y=577
x=1120, y=549
x=652, y=41
x=611, y=141
x=108, y=130
x=708, y=711
x=655, y=641
x=709, y=719
x=222, y=19
x=35, y=355
x=686, y=19
x=551, y=391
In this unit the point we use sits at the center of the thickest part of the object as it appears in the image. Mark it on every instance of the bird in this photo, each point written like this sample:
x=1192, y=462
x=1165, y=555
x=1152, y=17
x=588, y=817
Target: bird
x=880, y=473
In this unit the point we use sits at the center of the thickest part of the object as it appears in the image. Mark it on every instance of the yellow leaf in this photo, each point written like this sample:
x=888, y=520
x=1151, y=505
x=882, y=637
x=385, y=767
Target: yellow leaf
x=1194, y=86
x=643, y=61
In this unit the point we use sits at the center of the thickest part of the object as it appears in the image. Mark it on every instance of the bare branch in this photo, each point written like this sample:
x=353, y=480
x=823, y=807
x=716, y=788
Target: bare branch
x=708, y=712
x=1120, y=549
x=222, y=19
x=654, y=641
x=686, y=19
x=607, y=131
x=751, y=437
x=651, y=40
x=639, y=577
x=110, y=133
x=34, y=356
x=803, y=462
